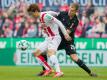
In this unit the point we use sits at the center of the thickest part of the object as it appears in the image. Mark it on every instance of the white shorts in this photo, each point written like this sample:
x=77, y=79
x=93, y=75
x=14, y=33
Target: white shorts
x=50, y=43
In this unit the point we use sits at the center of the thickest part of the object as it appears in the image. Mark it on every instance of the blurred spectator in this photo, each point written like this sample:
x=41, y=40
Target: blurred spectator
x=105, y=10
x=64, y=7
x=105, y=21
x=79, y=30
x=98, y=29
x=41, y=6
x=89, y=8
x=84, y=18
x=7, y=28
x=14, y=22
x=104, y=35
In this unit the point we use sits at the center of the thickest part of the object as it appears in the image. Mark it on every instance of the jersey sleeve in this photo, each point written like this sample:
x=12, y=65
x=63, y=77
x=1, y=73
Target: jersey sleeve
x=48, y=18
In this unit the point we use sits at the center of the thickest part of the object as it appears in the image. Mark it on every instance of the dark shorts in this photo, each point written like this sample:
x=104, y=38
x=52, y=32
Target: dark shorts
x=69, y=47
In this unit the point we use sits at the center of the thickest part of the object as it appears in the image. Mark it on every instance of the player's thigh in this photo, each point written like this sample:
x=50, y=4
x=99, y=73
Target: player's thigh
x=51, y=52
x=70, y=49
x=42, y=47
x=54, y=43
x=37, y=52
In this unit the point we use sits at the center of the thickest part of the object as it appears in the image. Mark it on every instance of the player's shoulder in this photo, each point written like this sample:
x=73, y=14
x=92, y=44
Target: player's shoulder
x=46, y=16
x=76, y=18
x=42, y=14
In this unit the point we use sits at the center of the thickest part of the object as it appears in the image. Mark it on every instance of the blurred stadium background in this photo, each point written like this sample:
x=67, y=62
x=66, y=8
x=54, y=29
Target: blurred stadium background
x=91, y=39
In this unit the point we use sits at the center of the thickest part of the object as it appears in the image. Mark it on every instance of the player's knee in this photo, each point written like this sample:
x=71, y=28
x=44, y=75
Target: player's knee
x=74, y=57
x=50, y=52
x=37, y=53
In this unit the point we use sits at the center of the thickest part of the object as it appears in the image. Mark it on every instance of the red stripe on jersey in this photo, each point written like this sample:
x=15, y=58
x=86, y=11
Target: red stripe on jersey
x=42, y=18
x=50, y=31
x=45, y=31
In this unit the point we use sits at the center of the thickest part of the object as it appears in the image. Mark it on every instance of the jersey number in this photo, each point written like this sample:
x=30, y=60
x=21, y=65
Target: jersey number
x=73, y=47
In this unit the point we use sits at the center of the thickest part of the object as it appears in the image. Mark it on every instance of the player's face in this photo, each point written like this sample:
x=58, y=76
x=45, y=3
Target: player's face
x=35, y=14
x=72, y=11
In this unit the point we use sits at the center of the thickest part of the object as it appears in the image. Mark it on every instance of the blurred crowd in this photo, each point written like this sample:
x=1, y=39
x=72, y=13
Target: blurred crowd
x=92, y=23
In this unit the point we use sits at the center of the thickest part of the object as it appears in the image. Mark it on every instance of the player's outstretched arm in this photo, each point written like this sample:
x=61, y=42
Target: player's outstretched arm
x=10, y=10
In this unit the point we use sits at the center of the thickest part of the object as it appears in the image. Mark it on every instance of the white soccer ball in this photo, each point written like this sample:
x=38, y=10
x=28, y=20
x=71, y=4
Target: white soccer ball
x=23, y=45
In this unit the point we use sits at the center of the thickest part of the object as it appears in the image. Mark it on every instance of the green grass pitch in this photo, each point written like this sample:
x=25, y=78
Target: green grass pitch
x=29, y=73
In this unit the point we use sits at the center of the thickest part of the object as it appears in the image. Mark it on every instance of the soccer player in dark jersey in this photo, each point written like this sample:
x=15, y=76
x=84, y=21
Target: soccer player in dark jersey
x=70, y=20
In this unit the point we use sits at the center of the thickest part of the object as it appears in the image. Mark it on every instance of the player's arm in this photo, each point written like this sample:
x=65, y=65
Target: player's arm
x=52, y=19
x=9, y=11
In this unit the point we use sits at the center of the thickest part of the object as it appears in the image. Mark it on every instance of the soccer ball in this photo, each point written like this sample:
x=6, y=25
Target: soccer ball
x=23, y=45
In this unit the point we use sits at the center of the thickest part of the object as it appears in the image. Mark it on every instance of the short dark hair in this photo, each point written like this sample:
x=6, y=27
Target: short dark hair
x=76, y=5
x=33, y=8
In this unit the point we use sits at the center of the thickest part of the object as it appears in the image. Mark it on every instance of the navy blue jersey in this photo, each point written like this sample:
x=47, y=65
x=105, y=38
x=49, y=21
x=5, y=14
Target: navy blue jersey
x=70, y=24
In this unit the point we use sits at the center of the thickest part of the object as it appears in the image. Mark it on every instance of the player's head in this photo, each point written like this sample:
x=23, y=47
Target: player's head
x=73, y=9
x=34, y=10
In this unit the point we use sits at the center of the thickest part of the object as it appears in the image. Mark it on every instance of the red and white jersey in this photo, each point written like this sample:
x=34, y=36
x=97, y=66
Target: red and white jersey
x=51, y=25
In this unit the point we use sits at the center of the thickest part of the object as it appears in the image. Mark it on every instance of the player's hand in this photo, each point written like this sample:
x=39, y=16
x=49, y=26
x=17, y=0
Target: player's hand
x=68, y=31
x=67, y=37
